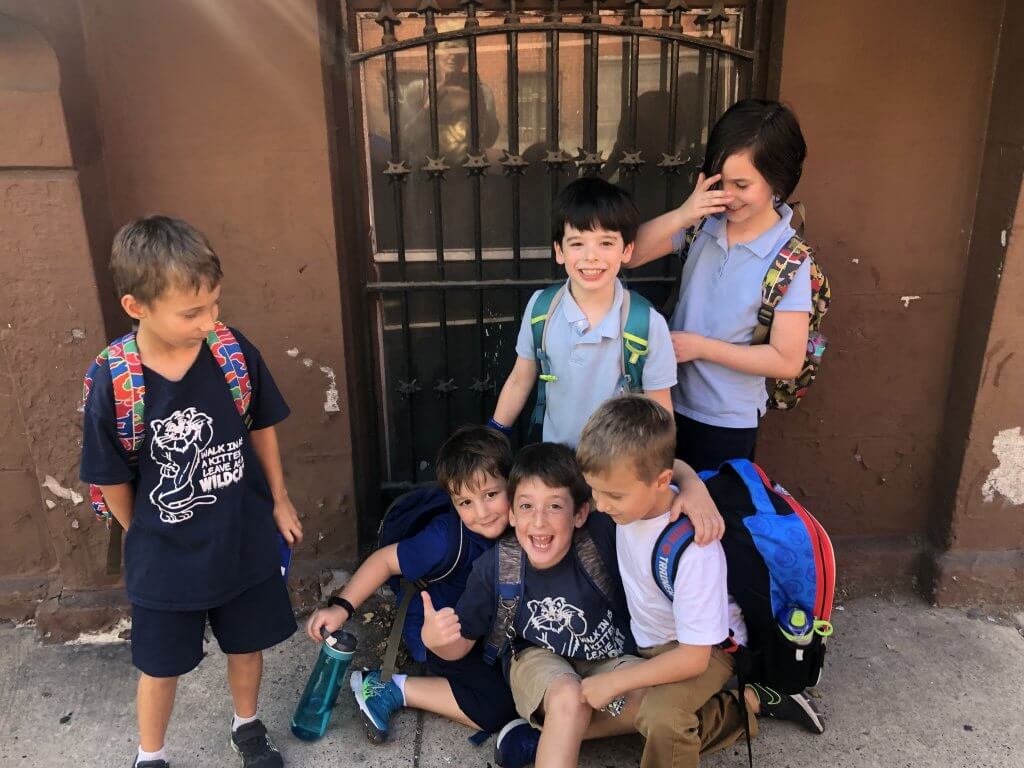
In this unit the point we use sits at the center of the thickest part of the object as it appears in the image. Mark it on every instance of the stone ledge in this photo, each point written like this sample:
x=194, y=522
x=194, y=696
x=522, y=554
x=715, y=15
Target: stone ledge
x=957, y=578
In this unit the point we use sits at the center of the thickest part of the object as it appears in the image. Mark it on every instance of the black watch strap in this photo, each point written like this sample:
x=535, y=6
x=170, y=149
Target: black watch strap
x=335, y=600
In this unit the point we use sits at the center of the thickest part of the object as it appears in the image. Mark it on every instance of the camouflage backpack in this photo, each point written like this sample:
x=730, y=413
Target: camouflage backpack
x=786, y=393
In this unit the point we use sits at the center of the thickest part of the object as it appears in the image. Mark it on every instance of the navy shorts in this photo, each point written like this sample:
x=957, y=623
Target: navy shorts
x=170, y=643
x=479, y=688
x=705, y=446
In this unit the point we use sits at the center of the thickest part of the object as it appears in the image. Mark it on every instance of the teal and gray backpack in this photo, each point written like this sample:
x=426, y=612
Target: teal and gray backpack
x=635, y=318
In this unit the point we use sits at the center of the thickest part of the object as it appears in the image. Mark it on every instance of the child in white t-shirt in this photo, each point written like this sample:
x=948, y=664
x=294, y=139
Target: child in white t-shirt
x=626, y=452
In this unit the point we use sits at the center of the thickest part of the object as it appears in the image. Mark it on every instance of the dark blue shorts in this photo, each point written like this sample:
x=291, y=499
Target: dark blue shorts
x=480, y=689
x=705, y=446
x=170, y=643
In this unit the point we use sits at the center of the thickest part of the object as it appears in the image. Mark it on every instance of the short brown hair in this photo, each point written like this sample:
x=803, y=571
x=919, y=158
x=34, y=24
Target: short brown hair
x=555, y=466
x=471, y=451
x=155, y=252
x=629, y=428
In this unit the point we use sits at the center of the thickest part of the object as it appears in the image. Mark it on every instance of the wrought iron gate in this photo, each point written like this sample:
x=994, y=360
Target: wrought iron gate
x=467, y=121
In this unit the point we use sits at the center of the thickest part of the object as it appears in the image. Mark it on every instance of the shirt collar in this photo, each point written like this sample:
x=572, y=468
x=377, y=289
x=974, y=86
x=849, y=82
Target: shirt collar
x=609, y=325
x=763, y=246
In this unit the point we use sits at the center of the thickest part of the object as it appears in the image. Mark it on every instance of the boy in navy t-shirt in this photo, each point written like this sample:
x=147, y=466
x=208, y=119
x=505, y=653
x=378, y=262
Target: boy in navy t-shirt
x=566, y=627
x=472, y=465
x=204, y=505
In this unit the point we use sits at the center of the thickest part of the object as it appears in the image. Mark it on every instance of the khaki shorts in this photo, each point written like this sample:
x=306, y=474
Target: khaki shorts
x=533, y=670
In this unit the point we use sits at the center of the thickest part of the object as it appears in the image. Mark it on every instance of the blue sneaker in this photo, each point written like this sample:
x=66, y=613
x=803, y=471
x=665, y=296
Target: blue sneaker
x=377, y=701
x=516, y=745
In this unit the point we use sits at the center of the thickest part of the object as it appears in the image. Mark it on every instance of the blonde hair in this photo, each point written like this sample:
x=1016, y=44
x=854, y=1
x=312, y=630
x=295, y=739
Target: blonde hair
x=156, y=252
x=630, y=428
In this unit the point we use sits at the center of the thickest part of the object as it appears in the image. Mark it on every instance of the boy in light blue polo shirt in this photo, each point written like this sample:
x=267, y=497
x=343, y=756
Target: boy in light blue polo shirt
x=595, y=227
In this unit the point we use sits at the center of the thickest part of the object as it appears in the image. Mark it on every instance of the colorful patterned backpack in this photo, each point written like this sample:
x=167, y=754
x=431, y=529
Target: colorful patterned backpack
x=122, y=358
x=786, y=393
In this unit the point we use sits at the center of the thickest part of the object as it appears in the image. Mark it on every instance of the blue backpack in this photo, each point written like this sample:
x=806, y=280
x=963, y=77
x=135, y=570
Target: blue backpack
x=779, y=558
x=408, y=515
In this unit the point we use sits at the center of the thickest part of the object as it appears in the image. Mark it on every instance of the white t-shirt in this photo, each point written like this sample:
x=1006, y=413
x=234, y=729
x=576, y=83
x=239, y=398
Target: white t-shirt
x=702, y=612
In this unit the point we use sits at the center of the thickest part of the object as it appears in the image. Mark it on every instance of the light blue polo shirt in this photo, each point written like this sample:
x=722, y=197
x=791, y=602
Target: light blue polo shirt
x=719, y=297
x=588, y=362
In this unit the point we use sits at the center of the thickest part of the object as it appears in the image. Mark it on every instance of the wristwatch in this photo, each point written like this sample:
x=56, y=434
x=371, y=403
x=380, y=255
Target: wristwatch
x=335, y=600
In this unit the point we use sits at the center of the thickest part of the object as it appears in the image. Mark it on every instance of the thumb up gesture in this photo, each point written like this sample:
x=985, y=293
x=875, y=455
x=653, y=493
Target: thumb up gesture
x=440, y=628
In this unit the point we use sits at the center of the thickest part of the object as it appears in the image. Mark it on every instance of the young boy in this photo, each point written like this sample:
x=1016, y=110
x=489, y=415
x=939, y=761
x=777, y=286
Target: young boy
x=568, y=625
x=626, y=453
x=595, y=225
x=473, y=466
x=195, y=549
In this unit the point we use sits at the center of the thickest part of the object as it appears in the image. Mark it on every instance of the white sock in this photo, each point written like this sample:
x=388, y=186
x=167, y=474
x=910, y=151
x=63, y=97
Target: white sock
x=237, y=721
x=144, y=755
x=399, y=680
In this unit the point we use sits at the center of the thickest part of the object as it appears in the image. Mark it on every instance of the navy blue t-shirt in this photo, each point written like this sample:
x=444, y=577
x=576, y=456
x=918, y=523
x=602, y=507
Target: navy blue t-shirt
x=202, y=530
x=561, y=610
x=422, y=556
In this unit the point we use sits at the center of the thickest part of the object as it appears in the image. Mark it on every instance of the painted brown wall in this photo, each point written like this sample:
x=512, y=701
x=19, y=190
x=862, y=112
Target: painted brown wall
x=893, y=99
x=214, y=112
x=978, y=526
x=50, y=315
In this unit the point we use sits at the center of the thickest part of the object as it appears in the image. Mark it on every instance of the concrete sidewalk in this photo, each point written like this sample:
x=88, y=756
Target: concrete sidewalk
x=905, y=685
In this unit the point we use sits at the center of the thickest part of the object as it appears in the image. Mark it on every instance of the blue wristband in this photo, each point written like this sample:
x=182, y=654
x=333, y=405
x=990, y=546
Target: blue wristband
x=507, y=431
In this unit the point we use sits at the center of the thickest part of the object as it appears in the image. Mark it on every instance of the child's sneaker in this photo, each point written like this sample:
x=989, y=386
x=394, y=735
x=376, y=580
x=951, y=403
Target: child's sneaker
x=151, y=764
x=254, y=746
x=516, y=745
x=796, y=707
x=377, y=701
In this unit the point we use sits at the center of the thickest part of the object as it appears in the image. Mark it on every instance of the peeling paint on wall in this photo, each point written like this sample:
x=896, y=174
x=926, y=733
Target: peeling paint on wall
x=50, y=483
x=907, y=299
x=1007, y=479
x=331, y=396
x=106, y=637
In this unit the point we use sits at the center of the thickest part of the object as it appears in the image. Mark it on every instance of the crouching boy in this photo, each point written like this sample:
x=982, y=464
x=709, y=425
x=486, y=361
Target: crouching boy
x=473, y=466
x=626, y=453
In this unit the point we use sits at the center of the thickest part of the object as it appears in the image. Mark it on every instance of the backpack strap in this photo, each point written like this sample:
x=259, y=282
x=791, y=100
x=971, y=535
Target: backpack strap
x=121, y=357
x=688, y=239
x=756, y=484
x=510, y=567
x=668, y=551
x=543, y=308
x=593, y=564
x=128, y=386
x=776, y=282
x=228, y=354
x=636, y=322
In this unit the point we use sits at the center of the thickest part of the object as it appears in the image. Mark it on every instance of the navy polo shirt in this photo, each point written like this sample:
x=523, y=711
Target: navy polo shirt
x=202, y=530
x=421, y=557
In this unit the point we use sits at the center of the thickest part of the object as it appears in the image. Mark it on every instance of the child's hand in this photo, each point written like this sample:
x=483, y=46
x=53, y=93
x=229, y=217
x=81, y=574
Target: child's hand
x=330, y=619
x=440, y=628
x=687, y=346
x=287, y=520
x=598, y=691
x=695, y=502
x=703, y=201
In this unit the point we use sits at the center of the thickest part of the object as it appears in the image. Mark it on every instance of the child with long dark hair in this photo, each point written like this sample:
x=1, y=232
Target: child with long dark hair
x=730, y=229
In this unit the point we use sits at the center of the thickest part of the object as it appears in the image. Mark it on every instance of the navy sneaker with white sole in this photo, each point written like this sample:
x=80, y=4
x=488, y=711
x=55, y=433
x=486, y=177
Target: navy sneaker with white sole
x=516, y=745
